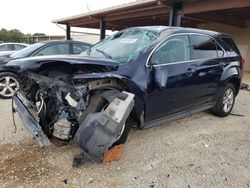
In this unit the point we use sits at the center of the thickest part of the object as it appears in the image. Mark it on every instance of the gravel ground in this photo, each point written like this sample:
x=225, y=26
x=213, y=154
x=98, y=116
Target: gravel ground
x=198, y=151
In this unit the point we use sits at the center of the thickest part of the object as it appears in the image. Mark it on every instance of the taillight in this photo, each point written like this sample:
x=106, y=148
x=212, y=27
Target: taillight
x=242, y=62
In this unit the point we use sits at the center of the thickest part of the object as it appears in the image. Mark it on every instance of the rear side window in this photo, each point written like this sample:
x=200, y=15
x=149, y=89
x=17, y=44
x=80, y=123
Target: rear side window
x=55, y=49
x=229, y=45
x=174, y=49
x=204, y=47
x=18, y=47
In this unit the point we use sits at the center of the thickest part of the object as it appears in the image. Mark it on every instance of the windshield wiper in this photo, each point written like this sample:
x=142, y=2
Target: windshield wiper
x=104, y=53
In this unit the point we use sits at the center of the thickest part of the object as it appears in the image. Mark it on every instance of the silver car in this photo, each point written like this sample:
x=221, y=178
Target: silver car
x=6, y=49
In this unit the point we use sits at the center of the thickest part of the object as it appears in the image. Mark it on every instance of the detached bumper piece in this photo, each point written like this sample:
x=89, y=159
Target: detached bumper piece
x=30, y=123
x=99, y=131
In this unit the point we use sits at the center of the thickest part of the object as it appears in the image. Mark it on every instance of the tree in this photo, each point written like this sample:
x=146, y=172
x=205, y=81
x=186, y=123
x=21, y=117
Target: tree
x=39, y=34
x=3, y=35
x=13, y=35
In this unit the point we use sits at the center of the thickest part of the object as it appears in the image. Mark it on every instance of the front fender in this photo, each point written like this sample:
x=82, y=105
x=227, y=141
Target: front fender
x=138, y=91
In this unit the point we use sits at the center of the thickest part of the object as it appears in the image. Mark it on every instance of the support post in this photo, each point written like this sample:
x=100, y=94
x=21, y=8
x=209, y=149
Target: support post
x=175, y=15
x=68, y=37
x=102, y=28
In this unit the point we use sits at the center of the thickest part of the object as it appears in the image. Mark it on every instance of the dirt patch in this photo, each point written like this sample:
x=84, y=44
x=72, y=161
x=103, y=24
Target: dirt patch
x=24, y=163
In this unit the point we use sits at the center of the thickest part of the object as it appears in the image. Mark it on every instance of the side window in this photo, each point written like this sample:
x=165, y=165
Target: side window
x=204, y=47
x=229, y=45
x=175, y=49
x=3, y=47
x=18, y=47
x=54, y=49
x=6, y=47
x=78, y=48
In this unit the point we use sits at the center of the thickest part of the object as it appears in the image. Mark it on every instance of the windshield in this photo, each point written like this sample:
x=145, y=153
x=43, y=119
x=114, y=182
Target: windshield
x=123, y=46
x=26, y=51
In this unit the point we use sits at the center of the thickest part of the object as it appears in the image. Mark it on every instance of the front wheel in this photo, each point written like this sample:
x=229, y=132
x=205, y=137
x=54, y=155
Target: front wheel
x=225, y=102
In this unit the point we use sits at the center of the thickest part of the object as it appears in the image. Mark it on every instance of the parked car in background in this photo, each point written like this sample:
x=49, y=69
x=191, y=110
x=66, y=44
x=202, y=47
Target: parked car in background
x=6, y=49
x=9, y=79
x=170, y=72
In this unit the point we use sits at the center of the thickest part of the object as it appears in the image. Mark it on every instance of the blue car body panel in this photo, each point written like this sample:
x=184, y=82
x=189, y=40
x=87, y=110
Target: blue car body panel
x=159, y=90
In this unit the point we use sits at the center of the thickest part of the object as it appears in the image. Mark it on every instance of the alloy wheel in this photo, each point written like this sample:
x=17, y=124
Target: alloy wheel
x=228, y=100
x=8, y=86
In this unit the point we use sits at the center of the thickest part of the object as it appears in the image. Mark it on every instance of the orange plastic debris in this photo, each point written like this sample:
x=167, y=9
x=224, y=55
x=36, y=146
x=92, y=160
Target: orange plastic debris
x=114, y=154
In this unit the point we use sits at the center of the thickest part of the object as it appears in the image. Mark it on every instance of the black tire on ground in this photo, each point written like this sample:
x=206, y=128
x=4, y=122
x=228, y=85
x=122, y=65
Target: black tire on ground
x=96, y=104
x=3, y=80
x=219, y=109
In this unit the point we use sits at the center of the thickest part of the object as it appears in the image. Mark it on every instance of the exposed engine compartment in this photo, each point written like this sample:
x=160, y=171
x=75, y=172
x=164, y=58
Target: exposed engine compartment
x=56, y=102
x=59, y=105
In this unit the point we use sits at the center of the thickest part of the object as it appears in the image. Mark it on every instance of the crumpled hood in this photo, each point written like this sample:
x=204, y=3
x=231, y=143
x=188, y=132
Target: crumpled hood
x=33, y=63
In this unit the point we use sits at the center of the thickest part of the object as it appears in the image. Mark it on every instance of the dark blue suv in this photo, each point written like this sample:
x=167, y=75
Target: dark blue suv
x=170, y=72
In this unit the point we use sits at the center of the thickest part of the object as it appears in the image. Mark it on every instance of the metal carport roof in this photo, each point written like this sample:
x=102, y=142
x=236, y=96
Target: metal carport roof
x=156, y=12
x=139, y=13
x=187, y=13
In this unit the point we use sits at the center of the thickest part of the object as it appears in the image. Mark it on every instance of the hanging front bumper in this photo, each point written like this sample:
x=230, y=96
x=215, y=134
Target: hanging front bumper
x=30, y=123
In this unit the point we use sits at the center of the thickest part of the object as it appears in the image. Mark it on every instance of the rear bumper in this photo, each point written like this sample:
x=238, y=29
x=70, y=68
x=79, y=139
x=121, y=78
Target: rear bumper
x=30, y=123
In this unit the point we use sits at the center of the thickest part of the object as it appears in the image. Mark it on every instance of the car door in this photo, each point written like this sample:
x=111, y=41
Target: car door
x=181, y=81
x=170, y=87
x=208, y=63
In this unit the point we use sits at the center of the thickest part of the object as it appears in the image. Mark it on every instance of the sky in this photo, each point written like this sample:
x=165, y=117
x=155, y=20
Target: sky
x=35, y=16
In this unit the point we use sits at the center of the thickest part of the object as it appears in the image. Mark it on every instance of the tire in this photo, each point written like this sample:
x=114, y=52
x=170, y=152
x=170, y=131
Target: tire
x=8, y=84
x=225, y=102
x=97, y=104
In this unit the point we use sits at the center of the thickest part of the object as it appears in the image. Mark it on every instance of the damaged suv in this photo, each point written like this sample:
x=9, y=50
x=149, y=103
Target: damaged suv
x=150, y=74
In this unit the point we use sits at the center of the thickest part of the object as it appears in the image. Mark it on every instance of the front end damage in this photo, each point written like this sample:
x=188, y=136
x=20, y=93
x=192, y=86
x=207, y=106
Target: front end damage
x=59, y=107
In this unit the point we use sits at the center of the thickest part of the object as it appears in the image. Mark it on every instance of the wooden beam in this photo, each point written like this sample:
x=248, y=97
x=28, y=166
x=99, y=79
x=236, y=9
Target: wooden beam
x=138, y=14
x=82, y=21
x=210, y=17
x=142, y=22
x=132, y=11
x=213, y=5
x=146, y=18
x=163, y=19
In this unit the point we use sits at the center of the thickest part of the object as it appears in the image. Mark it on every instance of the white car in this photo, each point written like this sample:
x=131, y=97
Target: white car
x=6, y=49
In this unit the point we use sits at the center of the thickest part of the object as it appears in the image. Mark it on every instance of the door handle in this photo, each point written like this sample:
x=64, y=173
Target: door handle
x=190, y=71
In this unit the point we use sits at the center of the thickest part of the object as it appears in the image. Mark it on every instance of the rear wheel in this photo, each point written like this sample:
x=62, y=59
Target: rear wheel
x=225, y=102
x=8, y=85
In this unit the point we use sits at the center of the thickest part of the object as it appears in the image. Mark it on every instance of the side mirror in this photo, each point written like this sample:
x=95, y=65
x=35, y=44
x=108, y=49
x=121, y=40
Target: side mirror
x=160, y=76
